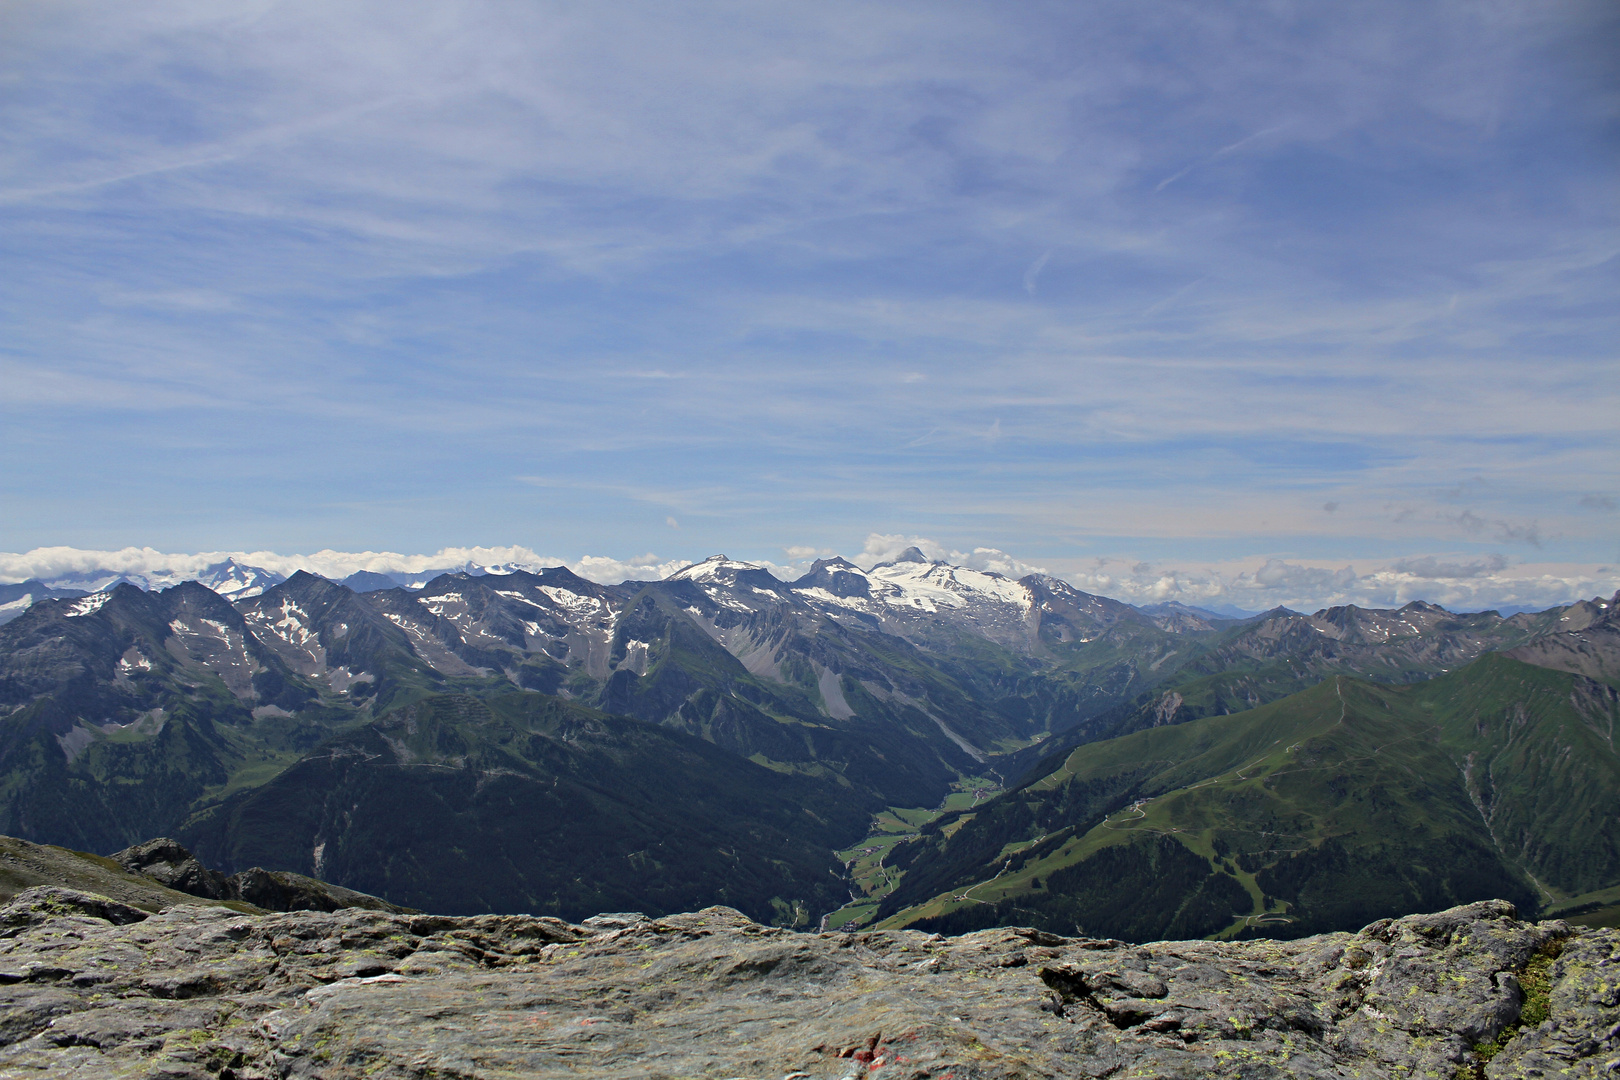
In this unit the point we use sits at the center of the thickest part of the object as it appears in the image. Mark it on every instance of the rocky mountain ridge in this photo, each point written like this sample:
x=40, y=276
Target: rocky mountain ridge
x=20, y=596
x=160, y=873
x=534, y=629
x=166, y=862
x=964, y=665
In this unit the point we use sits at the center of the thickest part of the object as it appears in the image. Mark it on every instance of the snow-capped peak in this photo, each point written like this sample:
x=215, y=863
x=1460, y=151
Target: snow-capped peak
x=231, y=579
x=913, y=583
x=837, y=565
x=916, y=582
x=235, y=581
x=837, y=577
x=714, y=568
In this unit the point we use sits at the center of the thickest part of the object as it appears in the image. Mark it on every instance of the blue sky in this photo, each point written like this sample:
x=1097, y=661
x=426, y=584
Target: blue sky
x=1186, y=288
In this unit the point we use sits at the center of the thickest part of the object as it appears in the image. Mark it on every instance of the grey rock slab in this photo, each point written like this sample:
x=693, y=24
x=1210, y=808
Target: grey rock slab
x=199, y=992
x=43, y=902
x=27, y=1009
x=143, y=1021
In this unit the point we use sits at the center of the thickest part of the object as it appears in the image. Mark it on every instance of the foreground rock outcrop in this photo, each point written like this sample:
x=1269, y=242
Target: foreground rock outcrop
x=161, y=873
x=25, y=865
x=165, y=861
x=93, y=988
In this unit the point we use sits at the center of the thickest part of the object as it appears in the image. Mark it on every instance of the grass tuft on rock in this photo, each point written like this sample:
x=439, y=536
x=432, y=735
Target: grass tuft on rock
x=1535, y=980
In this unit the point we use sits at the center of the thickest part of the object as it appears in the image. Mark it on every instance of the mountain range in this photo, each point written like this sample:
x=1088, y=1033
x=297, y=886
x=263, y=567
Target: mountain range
x=525, y=741
x=230, y=578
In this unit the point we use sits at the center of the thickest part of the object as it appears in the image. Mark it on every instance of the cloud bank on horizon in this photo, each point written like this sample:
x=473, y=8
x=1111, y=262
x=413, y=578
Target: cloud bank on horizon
x=1458, y=584
x=1175, y=299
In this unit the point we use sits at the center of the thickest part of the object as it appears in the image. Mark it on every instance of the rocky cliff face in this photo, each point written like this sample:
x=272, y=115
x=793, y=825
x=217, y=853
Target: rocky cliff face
x=92, y=988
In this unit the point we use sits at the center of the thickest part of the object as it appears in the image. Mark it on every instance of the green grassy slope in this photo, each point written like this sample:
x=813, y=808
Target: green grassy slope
x=1324, y=810
x=1136, y=678
x=1536, y=750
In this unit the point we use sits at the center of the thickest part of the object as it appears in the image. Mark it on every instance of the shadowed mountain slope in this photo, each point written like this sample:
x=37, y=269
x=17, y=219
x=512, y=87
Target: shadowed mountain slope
x=522, y=802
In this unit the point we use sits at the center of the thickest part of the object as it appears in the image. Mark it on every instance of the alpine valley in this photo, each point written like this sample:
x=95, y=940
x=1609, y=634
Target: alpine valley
x=914, y=744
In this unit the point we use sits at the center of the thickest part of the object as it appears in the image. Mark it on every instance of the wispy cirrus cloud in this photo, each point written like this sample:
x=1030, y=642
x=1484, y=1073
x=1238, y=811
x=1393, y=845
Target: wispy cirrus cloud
x=360, y=272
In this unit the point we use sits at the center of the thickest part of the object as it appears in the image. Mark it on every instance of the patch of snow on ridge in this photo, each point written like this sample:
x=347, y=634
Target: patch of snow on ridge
x=406, y=625
x=636, y=654
x=859, y=603
x=290, y=627
x=88, y=605
x=572, y=601
x=440, y=604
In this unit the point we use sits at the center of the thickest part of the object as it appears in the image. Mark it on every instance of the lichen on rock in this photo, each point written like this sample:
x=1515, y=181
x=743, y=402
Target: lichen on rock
x=210, y=993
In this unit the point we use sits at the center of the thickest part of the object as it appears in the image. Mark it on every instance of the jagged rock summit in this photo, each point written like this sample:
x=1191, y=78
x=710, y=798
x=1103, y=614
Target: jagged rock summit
x=90, y=988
